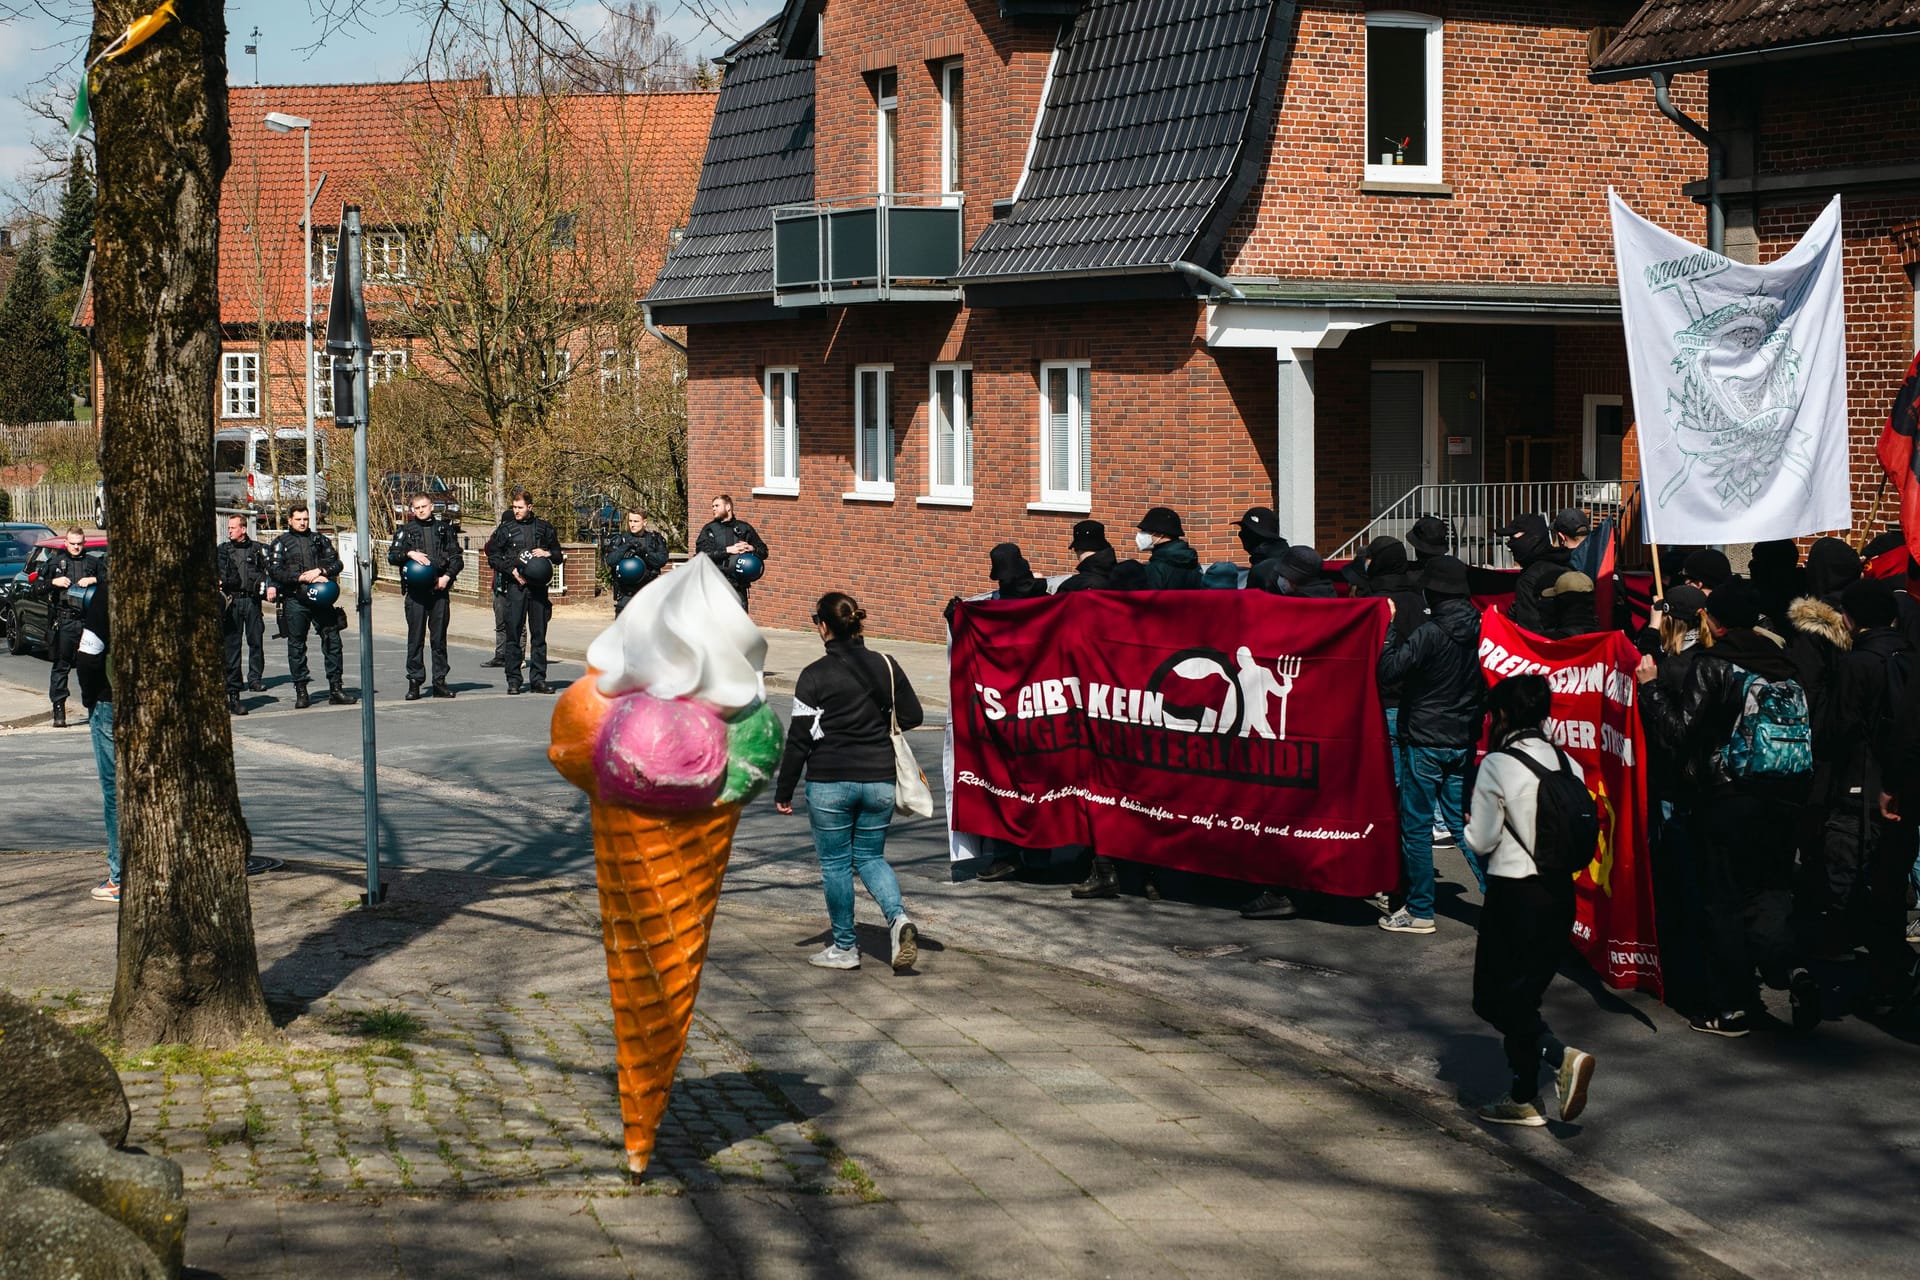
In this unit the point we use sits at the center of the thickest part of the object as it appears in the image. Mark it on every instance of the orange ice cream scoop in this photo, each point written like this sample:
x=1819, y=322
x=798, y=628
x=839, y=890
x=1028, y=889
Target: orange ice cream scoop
x=577, y=716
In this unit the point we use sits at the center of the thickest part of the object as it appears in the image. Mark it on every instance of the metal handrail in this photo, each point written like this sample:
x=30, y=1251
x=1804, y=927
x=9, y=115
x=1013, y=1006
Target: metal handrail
x=1475, y=513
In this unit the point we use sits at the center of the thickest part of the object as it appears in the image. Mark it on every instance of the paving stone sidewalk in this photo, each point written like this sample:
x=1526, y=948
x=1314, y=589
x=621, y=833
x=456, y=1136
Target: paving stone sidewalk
x=442, y=1104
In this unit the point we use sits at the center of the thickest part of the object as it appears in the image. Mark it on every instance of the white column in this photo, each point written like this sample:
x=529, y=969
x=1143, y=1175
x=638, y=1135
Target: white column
x=1293, y=470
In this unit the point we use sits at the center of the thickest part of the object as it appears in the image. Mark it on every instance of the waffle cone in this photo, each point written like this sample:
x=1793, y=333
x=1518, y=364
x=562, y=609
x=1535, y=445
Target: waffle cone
x=659, y=877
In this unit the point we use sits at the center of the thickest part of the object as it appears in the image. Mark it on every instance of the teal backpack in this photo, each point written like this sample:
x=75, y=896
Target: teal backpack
x=1773, y=737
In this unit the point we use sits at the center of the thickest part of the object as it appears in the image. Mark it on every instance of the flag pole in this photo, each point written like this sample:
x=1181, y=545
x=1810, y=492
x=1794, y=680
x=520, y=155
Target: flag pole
x=1646, y=518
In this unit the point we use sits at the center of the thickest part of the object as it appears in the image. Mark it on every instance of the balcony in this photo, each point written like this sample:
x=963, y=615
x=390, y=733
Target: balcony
x=897, y=247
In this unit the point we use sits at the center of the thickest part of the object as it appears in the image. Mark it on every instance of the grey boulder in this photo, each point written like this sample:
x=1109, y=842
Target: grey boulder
x=145, y=1194
x=52, y=1076
x=50, y=1235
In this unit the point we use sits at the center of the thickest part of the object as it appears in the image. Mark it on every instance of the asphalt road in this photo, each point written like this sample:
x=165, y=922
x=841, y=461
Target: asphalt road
x=1787, y=1155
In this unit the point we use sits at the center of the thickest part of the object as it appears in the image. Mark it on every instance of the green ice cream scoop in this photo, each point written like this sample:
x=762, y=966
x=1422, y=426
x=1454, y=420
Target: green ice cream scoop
x=754, y=740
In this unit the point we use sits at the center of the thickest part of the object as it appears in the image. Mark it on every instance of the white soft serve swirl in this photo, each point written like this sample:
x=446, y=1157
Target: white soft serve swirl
x=684, y=636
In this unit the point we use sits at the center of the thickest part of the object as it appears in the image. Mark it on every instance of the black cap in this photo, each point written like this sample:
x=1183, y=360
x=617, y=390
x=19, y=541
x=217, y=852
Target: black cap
x=1264, y=521
x=1708, y=568
x=1445, y=576
x=1573, y=522
x=1088, y=535
x=1428, y=536
x=1531, y=525
x=1008, y=563
x=1162, y=521
x=1735, y=603
x=1684, y=602
x=1869, y=602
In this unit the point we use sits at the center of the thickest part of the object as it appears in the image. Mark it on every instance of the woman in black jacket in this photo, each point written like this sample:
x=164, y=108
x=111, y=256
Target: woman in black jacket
x=844, y=708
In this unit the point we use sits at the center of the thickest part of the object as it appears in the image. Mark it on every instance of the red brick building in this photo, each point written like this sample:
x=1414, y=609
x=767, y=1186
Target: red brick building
x=960, y=273
x=1809, y=101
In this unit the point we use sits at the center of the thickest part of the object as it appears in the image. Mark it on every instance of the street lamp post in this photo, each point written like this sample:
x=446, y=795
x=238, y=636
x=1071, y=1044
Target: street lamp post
x=279, y=122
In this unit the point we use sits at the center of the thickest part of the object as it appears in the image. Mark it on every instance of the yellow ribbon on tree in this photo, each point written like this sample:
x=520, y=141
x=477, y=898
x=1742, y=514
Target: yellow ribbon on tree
x=138, y=32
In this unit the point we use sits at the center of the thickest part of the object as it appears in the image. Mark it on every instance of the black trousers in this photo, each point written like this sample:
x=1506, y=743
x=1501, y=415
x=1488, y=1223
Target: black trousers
x=1524, y=928
x=620, y=599
x=1743, y=845
x=527, y=612
x=243, y=622
x=500, y=627
x=301, y=617
x=426, y=620
x=63, y=643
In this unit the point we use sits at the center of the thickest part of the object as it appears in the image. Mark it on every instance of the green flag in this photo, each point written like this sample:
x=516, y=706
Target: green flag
x=82, y=113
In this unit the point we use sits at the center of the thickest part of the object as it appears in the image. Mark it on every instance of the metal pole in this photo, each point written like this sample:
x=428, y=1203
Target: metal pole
x=363, y=581
x=306, y=282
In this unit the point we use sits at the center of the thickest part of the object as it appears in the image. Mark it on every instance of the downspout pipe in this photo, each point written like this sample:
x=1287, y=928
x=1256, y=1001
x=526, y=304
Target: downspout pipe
x=1207, y=277
x=1716, y=160
x=646, y=318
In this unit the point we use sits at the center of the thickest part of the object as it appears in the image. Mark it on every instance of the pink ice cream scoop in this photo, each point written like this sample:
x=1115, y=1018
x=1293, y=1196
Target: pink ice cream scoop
x=660, y=755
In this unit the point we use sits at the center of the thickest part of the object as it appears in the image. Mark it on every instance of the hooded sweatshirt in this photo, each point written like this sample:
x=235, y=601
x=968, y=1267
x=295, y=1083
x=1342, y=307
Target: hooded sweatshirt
x=1174, y=566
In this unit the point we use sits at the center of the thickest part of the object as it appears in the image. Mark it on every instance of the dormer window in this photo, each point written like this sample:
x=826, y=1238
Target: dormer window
x=886, y=101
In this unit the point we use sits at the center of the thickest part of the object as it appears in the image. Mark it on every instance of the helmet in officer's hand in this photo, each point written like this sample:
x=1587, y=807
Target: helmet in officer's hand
x=81, y=597
x=321, y=592
x=415, y=574
x=631, y=571
x=537, y=570
x=747, y=566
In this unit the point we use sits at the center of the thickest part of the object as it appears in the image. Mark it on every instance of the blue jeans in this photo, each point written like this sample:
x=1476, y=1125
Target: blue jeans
x=1432, y=780
x=100, y=724
x=1393, y=744
x=849, y=821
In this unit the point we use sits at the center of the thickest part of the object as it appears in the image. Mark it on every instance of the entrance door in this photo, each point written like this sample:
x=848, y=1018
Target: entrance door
x=1399, y=417
x=1429, y=426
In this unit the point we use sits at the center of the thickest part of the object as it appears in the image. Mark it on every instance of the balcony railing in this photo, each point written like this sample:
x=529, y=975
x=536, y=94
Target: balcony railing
x=900, y=246
x=1477, y=512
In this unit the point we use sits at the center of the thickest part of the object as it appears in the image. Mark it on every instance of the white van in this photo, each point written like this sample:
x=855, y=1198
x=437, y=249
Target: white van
x=244, y=476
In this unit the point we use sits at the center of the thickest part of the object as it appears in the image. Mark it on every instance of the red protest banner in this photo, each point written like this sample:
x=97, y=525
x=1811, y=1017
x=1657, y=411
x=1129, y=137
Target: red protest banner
x=1233, y=733
x=1595, y=722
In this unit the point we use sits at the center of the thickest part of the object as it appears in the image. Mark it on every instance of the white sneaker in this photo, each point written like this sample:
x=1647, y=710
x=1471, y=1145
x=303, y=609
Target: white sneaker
x=1403, y=921
x=836, y=958
x=906, y=943
x=1381, y=903
x=1504, y=1110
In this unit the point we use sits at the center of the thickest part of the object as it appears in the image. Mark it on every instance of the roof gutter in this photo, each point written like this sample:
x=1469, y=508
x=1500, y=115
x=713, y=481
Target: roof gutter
x=1208, y=278
x=1716, y=161
x=1747, y=57
x=646, y=318
x=1176, y=267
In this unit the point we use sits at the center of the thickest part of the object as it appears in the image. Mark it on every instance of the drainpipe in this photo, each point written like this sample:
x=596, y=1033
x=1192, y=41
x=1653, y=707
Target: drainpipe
x=1716, y=160
x=1208, y=278
x=646, y=317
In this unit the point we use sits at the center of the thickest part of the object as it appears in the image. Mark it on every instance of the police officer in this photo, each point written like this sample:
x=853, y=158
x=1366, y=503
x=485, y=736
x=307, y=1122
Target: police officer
x=637, y=543
x=431, y=541
x=500, y=580
x=522, y=537
x=71, y=566
x=725, y=537
x=301, y=556
x=244, y=583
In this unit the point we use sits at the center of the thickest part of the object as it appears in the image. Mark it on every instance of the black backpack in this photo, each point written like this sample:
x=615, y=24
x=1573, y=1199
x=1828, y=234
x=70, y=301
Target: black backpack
x=1566, y=822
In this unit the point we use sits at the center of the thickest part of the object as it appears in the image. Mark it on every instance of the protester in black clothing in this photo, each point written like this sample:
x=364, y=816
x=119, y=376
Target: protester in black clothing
x=525, y=537
x=637, y=543
x=1260, y=535
x=245, y=581
x=1675, y=638
x=71, y=566
x=1706, y=569
x=1743, y=829
x=1428, y=538
x=1541, y=564
x=299, y=557
x=427, y=539
x=1775, y=572
x=1097, y=561
x=96, y=695
x=1571, y=531
x=1129, y=575
x=1817, y=633
x=1012, y=576
x=1569, y=602
x=726, y=536
x=1297, y=571
x=1172, y=564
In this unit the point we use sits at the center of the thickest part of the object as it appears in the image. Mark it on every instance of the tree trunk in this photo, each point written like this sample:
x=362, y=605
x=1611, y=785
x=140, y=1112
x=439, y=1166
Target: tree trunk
x=187, y=970
x=499, y=495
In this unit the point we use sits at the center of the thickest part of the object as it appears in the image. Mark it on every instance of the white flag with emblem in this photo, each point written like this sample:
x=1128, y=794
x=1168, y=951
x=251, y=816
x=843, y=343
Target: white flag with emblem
x=1739, y=384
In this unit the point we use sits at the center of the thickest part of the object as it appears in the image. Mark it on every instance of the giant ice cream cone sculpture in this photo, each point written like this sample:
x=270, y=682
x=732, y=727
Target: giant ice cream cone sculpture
x=669, y=735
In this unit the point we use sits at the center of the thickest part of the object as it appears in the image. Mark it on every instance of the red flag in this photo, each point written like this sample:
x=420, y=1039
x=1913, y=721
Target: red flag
x=1896, y=454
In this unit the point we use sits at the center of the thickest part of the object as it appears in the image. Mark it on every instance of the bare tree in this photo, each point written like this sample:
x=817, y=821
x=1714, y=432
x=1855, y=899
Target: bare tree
x=187, y=968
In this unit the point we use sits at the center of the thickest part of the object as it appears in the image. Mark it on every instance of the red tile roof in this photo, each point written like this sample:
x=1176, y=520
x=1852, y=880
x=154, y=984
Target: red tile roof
x=1672, y=34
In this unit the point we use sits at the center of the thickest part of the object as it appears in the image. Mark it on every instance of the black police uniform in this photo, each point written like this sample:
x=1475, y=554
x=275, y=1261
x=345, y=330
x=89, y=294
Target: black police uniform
x=427, y=605
x=243, y=581
x=717, y=536
x=526, y=606
x=292, y=555
x=500, y=581
x=66, y=622
x=648, y=547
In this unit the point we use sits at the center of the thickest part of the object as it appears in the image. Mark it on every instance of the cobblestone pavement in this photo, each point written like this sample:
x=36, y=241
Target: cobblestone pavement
x=441, y=1104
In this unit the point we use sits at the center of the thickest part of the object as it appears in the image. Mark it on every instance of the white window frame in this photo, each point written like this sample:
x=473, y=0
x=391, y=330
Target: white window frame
x=1590, y=430
x=962, y=490
x=327, y=245
x=383, y=366
x=886, y=111
x=1076, y=494
x=880, y=488
x=952, y=130
x=322, y=383
x=386, y=253
x=1436, y=98
x=239, y=384
x=780, y=431
x=610, y=370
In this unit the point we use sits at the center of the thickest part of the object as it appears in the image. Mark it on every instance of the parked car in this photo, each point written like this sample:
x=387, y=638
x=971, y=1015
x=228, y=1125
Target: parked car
x=243, y=469
x=397, y=486
x=26, y=603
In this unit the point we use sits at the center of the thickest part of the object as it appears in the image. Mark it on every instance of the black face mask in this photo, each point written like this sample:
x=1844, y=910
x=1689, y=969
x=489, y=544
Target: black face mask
x=1437, y=598
x=1250, y=540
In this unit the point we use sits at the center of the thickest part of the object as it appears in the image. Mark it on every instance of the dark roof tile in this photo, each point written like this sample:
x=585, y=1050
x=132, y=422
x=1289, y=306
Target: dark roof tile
x=1668, y=33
